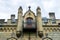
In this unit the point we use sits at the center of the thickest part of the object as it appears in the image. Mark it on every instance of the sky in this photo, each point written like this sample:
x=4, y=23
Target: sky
x=8, y=7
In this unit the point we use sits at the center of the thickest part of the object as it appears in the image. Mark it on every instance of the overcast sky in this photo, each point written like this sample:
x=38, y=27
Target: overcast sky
x=8, y=7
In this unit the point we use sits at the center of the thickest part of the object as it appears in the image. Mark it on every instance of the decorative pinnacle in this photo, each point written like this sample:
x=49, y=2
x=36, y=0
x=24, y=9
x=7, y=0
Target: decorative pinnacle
x=38, y=8
x=29, y=7
x=20, y=7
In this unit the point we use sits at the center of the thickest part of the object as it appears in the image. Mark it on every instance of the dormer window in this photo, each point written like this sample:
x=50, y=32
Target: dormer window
x=45, y=20
x=53, y=21
x=13, y=18
x=2, y=21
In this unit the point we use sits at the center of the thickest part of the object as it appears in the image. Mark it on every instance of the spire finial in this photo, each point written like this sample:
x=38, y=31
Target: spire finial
x=38, y=8
x=20, y=7
x=29, y=7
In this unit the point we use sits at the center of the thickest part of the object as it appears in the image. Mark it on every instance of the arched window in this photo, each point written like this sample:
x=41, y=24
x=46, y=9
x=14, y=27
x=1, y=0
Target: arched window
x=29, y=20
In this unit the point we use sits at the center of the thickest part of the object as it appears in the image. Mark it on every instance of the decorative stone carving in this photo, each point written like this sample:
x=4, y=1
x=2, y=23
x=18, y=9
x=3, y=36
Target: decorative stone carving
x=40, y=33
x=18, y=34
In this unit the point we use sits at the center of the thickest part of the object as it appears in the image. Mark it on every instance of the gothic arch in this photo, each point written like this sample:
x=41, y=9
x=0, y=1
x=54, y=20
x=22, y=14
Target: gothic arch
x=30, y=14
x=47, y=38
x=12, y=38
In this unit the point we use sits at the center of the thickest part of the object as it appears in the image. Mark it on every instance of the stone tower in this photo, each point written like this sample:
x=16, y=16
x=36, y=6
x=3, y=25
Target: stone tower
x=19, y=23
x=39, y=23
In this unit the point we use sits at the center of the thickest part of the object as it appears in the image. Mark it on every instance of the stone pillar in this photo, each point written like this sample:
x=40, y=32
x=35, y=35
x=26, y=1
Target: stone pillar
x=39, y=22
x=19, y=23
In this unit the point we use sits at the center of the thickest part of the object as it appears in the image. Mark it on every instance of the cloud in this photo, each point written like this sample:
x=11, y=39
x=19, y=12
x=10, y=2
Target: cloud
x=49, y=5
x=8, y=7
